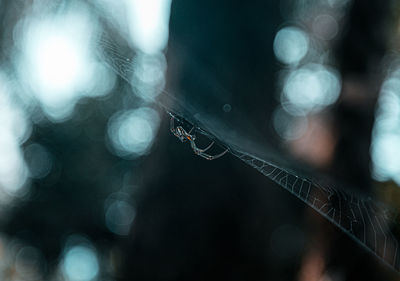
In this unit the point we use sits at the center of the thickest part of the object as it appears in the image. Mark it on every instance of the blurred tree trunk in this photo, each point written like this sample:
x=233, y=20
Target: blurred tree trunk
x=359, y=53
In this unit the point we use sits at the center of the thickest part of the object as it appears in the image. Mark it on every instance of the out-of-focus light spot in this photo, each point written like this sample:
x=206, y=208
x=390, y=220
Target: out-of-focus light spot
x=13, y=171
x=80, y=263
x=386, y=156
x=102, y=82
x=132, y=132
x=227, y=108
x=12, y=118
x=325, y=27
x=148, y=77
x=385, y=147
x=30, y=264
x=119, y=217
x=149, y=24
x=389, y=100
x=388, y=110
x=39, y=160
x=311, y=88
x=291, y=45
x=287, y=126
x=116, y=13
x=57, y=61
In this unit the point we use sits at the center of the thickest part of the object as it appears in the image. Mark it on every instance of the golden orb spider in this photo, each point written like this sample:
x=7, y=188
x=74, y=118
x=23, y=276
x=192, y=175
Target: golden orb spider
x=184, y=136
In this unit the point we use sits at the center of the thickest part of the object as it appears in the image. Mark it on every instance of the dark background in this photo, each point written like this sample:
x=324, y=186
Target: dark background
x=198, y=219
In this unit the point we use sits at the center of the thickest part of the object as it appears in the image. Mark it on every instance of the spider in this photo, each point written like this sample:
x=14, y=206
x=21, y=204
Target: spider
x=184, y=136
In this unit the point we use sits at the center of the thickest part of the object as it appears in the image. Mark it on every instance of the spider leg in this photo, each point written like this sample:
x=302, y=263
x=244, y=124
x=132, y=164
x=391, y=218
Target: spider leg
x=183, y=136
x=213, y=157
x=199, y=150
x=172, y=124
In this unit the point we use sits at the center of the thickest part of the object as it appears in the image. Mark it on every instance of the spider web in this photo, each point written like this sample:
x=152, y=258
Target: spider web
x=370, y=223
